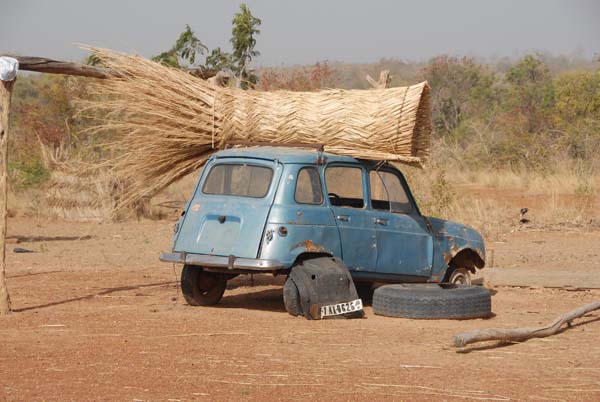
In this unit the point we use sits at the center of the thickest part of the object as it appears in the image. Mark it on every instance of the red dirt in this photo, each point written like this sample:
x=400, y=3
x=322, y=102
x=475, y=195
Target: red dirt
x=102, y=319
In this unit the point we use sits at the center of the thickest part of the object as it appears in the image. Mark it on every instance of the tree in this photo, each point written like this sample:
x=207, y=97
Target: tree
x=245, y=28
x=460, y=87
x=577, y=96
x=186, y=50
x=298, y=79
x=218, y=60
x=530, y=94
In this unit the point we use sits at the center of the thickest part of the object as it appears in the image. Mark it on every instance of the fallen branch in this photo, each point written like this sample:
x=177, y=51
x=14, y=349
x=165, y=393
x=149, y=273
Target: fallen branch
x=522, y=334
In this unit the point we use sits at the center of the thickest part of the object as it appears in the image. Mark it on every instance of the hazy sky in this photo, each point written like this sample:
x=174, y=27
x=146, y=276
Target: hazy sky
x=305, y=31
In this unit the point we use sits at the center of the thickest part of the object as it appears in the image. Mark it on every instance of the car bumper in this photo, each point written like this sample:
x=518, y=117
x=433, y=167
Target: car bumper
x=216, y=261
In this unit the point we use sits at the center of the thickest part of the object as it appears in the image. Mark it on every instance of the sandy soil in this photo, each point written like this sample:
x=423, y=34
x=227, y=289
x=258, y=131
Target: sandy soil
x=101, y=319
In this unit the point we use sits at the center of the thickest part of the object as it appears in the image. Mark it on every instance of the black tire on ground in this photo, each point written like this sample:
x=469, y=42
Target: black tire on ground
x=432, y=301
x=202, y=288
x=291, y=298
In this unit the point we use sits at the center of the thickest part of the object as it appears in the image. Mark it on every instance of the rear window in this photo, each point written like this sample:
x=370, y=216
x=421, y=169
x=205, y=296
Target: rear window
x=238, y=179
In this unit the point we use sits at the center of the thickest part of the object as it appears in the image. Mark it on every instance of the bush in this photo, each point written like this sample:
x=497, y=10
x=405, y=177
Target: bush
x=32, y=173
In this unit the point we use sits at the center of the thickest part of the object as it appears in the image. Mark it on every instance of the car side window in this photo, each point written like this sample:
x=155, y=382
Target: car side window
x=345, y=186
x=387, y=192
x=308, y=187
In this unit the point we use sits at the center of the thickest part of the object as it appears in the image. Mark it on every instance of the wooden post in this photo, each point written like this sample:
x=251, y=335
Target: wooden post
x=5, y=94
x=384, y=80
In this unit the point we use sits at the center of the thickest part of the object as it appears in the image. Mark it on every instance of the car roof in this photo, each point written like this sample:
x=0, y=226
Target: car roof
x=283, y=154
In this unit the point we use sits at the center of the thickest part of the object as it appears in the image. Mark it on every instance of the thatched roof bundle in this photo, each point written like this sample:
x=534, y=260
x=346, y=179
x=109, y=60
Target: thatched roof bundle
x=168, y=122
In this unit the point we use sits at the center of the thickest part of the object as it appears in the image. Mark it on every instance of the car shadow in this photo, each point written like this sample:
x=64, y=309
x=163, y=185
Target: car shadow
x=247, y=280
x=264, y=300
x=92, y=295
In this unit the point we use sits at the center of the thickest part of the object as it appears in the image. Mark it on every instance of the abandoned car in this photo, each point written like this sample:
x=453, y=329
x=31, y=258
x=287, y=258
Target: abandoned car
x=267, y=209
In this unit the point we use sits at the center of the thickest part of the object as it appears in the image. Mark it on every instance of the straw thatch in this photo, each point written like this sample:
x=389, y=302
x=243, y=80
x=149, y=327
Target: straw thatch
x=169, y=122
x=72, y=197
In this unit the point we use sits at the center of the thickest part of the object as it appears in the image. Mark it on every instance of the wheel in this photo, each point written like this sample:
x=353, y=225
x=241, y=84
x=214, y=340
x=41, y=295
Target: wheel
x=432, y=301
x=291, y=298
x=202, y=288
x=460, y=276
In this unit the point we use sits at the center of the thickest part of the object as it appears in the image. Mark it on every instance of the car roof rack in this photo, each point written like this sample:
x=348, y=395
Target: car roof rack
x=231, y=144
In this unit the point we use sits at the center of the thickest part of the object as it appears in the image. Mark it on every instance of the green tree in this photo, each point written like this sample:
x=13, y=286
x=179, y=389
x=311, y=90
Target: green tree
x=185, y=52
x=577, y=96
x=460, y=88
x=243, y=40
x=577, y=113
x=218, y=60
x=530, y=94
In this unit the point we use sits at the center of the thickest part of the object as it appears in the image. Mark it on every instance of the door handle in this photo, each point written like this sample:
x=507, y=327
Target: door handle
x=342, y=218
x=382, y=222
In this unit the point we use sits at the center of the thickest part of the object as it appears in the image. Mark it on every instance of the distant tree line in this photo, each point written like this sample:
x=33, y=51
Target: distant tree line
x=528, y=113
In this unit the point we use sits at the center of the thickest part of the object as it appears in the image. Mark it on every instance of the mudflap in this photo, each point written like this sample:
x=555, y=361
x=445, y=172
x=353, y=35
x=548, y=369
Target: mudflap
x=322, y=282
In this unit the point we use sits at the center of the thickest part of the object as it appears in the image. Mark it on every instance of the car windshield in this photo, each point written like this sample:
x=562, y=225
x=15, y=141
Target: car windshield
x=238, y=179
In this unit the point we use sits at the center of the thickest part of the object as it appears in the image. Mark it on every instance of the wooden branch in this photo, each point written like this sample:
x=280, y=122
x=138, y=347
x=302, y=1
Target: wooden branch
x=44, y=65
x=384, y=80
x=522, y=334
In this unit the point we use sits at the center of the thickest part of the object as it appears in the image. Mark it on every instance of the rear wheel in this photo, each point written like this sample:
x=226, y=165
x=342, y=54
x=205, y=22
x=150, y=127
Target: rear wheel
x=201, y=288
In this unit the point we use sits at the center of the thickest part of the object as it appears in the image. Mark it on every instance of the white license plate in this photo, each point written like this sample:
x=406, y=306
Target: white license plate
x=341, y=308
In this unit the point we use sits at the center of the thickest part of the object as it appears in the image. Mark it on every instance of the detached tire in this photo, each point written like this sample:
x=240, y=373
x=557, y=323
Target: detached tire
x=432, y=301
x=202, y=288
x=291, y=298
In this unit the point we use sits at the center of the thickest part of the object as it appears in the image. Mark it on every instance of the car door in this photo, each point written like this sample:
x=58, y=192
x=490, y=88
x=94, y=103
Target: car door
x=346, y=190
x=404, y=243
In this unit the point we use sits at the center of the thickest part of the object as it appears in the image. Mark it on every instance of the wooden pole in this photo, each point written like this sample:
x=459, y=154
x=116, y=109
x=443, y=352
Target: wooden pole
x=45, y=65
x=5, y=95
x=51, y=66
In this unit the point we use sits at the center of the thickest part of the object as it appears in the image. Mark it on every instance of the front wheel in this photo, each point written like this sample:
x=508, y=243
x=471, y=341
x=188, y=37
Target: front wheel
x=201, y=288
x=460, y=276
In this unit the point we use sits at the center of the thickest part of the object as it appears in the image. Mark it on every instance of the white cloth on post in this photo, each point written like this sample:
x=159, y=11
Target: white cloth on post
x=8, y=68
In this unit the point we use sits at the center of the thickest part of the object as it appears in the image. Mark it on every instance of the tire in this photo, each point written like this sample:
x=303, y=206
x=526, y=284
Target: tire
x=202, y=288
x=291, y=298
x=432, y=301
x=460, y=276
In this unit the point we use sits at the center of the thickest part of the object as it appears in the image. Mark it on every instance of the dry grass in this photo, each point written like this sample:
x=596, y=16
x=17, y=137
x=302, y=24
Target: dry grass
x=168, y=123
x=71, y=195
x=491, y=201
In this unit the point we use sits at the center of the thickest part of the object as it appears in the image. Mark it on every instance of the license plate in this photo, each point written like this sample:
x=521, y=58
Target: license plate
x=341, y=308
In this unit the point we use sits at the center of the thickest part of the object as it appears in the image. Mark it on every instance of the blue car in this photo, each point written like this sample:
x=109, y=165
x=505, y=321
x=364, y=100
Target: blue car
x=266, y=209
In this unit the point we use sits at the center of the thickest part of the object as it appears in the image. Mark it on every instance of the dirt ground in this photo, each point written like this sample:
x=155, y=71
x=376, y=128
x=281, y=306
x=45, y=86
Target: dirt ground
x=101, y=318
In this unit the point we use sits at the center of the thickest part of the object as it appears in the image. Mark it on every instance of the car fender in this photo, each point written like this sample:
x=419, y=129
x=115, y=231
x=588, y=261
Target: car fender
x=452, y=239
